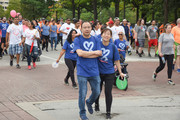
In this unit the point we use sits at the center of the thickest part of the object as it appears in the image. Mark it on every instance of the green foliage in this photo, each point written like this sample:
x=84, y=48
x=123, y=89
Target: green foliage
x=1, y=11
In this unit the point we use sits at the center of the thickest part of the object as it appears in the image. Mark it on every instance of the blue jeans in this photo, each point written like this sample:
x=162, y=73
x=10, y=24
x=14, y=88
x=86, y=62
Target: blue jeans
x=34, y=53
x=55, y=40
x=95, y=88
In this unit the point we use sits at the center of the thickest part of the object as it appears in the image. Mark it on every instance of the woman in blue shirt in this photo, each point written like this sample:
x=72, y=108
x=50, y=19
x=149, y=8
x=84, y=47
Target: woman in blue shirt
x=121, y=44
x=70, y=57
x=106, y=62
x=45, y=34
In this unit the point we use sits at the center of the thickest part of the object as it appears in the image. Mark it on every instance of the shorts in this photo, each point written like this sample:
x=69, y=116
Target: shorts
x=141, y=42
x=15, y=49
x=178, y=50
x=153, y=42
x=137, y=44
x=3, y=40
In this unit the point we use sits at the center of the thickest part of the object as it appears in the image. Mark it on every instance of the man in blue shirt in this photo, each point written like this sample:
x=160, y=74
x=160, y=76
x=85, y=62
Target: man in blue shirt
x=126, y=29
x=88, y=49
x=3, y=27
x=53, y=29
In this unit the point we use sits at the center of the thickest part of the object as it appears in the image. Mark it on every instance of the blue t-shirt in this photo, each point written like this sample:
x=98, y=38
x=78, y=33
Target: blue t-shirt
x=106, y=61
x=45, y=30
x=60, y=33
x=131, y=28
x=3, y=28
x=70, y=54
x=20, y=22
x=38, y=27
x=121, y=45
x=87, y=67
x=126, y=29
x=54, y=28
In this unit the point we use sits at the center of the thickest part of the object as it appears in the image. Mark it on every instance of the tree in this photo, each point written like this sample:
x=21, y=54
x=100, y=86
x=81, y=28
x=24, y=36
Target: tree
x=1, y=11
x=36, y=8
x=13, y=5
x=165, y=6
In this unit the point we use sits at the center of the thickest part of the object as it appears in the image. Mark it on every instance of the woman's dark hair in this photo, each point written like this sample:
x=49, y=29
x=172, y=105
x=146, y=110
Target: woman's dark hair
x=165, y=27
x=33, y=24
x=69, y=38
x=105, y=30
x=94, y=25
x=139, y=22
x=46, y=21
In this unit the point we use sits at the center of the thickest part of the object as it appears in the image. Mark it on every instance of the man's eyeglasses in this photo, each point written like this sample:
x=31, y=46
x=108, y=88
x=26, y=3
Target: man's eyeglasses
x=120, y=34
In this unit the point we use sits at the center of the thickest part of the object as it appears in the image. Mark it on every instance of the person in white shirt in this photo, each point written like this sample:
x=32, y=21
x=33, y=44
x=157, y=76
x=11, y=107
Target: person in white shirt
x=30, y=36
x=96, y=29
x=13, y=40
x=117, y=28
x=77, y=25
x=66, y=28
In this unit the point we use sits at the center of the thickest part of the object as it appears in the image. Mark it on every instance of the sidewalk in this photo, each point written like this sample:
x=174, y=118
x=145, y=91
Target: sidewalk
x=44, y=86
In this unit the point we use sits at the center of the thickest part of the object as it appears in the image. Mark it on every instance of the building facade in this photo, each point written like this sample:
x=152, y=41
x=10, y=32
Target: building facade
x=4, y=3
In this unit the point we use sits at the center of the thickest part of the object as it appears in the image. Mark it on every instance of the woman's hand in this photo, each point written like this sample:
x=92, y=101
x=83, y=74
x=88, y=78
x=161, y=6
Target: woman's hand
x=122, y=75
x=57, y=61
x=160, y=54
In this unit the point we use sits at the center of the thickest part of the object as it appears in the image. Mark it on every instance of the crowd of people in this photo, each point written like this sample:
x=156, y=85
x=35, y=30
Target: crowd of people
x=93, y=47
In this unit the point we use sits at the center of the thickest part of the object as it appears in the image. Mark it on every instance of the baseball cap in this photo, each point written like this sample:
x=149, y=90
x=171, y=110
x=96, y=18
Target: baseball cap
x=116, y=18
x=124, y=20
x=111, y=22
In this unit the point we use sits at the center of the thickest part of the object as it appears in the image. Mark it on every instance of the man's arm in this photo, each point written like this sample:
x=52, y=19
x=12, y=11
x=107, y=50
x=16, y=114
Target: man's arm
x=89, y=54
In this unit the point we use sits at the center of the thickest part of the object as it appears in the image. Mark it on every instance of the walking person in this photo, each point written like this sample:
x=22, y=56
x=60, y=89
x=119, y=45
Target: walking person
x=166, y=53
x=53, y=29
x=106, y=62
x=176, y=32
x=3, y=27
x=96, y=29
x=13, y=40
x=30, y=36
x=131, y=35
x=117, y=28
x=45, y=35
x=127, y=31
x=65, y=29
x=152, y=33
x=88, y=49
x=70, y=57
x=140, y=29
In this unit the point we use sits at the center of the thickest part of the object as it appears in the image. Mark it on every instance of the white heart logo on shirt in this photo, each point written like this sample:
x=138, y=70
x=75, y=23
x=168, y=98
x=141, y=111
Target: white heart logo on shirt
x=88, y=45
x=72, y=45
x=121, y=46
x=105, y=53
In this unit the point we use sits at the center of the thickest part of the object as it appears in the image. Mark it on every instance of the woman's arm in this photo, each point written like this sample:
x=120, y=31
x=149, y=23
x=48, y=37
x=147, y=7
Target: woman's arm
x=119, y=68
x=61, y=54
x=159, y=49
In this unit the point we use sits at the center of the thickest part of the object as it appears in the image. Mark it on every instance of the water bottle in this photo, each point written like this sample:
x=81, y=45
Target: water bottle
x=163, y=60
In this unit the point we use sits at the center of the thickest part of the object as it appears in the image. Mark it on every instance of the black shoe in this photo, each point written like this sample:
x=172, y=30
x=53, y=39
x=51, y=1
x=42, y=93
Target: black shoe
x=75, y=86
x=149, y=55
x=55, y=49
x=156, y=55
x=0, y=56
x=6, y=51
x=11, y=62
x=154, y=76
x=97, y=108
x=18, y=66
x=108, y=115
x=66, y=82
x=46, y=50
x=137, y=52
x=140, y=54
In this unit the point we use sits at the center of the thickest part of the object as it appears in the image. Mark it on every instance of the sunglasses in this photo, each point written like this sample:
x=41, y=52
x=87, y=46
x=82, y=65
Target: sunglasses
x=120, y=34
